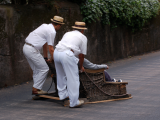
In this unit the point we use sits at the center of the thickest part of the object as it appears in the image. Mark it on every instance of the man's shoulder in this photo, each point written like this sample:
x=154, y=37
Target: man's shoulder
x=68, y=33
x=44, y=25
x=84, y=37
x=77, y=34
x=81, y=36
x=49, y=27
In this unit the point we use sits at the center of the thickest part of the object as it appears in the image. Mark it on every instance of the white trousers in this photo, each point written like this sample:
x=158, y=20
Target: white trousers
x=67, y=76
x=37, y=64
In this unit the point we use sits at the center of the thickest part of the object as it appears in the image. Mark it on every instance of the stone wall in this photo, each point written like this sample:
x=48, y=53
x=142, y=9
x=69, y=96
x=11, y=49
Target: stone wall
x=104, y=45
x=16, y=22
x=108, y=45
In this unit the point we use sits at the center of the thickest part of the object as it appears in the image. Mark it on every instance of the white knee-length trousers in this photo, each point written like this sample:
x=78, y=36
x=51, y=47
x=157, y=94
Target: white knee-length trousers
x=37, y=64
x=67, y=76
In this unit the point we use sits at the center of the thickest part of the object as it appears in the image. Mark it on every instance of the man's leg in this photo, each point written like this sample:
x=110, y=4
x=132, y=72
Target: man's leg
x=61, y=76
x=71, y=70
x=38, y=65
x=107, y=76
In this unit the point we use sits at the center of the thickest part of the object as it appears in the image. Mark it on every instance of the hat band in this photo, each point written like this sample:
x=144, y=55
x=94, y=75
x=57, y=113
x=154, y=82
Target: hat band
x=79, y=26
x=57, y=21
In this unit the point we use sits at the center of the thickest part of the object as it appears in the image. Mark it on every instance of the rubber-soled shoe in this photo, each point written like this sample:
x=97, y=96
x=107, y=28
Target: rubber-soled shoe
x=114, y=80
x=67, y=98
x=39, y=92
x=119, y=80
x=81, y=102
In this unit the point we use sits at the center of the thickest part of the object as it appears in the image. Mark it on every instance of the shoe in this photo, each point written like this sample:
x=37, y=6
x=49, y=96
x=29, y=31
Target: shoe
x=67, y=98
x=119, y=80
x=81, y=102
x=113, y=80
x=39, y=92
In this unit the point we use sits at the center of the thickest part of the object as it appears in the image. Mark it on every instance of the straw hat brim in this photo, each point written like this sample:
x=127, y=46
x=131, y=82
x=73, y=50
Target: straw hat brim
x=79, y=28
x=57, y=22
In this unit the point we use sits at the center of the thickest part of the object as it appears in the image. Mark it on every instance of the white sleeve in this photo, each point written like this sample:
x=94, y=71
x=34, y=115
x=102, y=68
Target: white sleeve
x=50, y=38
x=84, y=46
x=87, y=64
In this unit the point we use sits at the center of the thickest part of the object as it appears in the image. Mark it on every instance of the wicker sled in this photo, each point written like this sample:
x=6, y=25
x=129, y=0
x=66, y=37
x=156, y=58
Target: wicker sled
x=95, y=88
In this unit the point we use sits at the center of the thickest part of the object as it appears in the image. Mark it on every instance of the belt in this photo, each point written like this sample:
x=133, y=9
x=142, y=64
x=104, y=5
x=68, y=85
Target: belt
x=29, y=44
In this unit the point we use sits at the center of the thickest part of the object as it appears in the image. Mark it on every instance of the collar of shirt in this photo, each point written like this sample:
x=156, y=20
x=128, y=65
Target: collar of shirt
x=52, y=27
x=77, y=31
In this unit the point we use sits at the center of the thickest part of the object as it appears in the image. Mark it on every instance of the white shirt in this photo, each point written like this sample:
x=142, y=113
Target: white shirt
x=41, y=35
x=74, y=40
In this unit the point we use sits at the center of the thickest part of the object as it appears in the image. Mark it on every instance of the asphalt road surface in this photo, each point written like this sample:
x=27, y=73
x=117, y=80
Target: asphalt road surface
x=141, y=72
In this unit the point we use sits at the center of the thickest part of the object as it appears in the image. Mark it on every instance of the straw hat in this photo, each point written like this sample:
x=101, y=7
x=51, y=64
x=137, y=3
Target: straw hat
x=80, y=25
x=57, y=19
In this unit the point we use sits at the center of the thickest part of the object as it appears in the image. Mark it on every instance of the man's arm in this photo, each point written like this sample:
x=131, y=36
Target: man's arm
x=81, y=59
x=89, y=65
x=51, y=51
x=45, y=50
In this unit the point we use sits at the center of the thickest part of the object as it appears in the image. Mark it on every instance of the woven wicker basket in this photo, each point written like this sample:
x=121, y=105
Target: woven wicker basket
x=94, y=87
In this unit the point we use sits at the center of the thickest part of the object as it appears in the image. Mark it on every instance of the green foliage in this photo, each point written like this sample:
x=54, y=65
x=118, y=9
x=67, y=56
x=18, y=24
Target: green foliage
x=132, y=13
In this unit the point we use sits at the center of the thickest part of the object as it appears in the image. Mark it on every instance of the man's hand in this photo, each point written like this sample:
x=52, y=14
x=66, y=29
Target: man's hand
x=82, y=69
x=51, y=51
x=107, y=67
x=50, y=60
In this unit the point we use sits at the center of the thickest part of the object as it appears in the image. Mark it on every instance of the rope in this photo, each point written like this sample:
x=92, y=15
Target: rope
x=50, y=85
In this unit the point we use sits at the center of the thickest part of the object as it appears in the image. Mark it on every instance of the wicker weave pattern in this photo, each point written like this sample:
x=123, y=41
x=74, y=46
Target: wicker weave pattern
x=94, y=87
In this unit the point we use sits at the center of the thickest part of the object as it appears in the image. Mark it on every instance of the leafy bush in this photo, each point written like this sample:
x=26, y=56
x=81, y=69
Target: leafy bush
x=132, y=13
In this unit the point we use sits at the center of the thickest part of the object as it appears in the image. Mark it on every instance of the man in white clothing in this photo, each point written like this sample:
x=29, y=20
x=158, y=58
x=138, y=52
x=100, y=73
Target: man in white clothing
x=73, y=44
x=44, y=37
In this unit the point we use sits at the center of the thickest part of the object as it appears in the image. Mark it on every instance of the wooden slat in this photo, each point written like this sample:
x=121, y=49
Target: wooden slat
x=66, y=102
x=94, y=71
x=50, y=97
x=107, y=100
x=116, y=82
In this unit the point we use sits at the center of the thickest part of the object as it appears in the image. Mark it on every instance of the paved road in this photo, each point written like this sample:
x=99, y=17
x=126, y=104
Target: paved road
x=141, y=72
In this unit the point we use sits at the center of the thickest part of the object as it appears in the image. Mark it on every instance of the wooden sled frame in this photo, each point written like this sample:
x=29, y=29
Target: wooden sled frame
x=66, y=102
